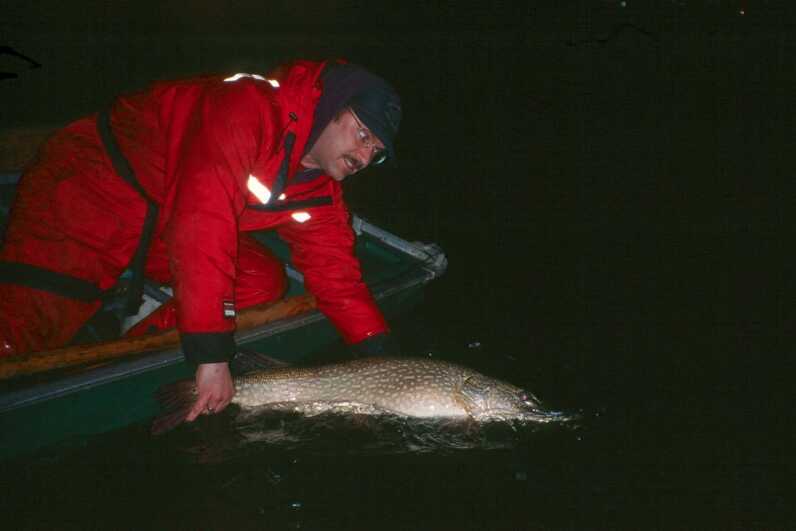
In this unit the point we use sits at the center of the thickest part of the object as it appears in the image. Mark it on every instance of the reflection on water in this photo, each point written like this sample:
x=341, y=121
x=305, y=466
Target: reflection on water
x=618, y=467
x=280, y=470
x=238, y=434
x=277, y=470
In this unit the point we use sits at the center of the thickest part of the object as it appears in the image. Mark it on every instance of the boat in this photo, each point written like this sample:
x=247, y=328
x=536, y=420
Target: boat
x=65, y=396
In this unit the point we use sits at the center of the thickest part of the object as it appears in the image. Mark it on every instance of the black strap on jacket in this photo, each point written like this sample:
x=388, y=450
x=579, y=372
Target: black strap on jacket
x=293, y=205
x=81, y=289
x=44, y=279
x=281, y=182
x=135, y=289
x=281, y=177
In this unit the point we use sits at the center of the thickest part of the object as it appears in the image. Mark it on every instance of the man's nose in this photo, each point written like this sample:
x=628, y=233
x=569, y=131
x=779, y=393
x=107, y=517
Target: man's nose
x=364, y=156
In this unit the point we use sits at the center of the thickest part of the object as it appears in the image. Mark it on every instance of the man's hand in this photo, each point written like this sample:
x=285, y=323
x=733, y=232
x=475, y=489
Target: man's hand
x=214, y=387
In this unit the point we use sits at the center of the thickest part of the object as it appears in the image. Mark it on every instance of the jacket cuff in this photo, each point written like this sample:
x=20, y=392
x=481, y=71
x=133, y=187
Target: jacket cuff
x=210, y=347
x=383, y=344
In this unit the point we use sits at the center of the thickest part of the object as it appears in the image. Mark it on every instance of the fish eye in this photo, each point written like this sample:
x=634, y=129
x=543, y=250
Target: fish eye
x=528, y=398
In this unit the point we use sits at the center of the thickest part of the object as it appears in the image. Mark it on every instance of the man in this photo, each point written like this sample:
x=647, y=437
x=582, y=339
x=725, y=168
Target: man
x=167, y=181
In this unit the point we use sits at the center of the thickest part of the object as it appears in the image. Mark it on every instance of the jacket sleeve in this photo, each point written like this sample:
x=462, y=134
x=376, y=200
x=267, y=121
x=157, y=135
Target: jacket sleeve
x=219, y=146
x=323, y=250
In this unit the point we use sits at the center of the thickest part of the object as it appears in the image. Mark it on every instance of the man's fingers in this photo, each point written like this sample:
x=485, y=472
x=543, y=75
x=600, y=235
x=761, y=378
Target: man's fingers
x=215, y=389
x=199, y=406
x=206, y=405
x=221, y=406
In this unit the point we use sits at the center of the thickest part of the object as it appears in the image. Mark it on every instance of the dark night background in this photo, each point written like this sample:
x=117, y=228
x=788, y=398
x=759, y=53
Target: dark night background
x=605, y=179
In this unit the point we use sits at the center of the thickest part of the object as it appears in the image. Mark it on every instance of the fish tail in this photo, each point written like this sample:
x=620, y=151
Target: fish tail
x=176, y=401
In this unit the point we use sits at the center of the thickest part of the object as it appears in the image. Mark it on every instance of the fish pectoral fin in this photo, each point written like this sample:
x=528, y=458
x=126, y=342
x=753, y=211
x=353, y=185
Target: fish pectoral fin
x=464, y=404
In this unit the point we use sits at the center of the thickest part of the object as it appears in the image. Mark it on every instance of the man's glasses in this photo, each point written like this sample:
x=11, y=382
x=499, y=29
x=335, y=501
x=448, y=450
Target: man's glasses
x=366, y=138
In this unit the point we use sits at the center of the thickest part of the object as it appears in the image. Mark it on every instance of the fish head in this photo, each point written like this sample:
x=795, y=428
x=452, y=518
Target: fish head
x=488, y=398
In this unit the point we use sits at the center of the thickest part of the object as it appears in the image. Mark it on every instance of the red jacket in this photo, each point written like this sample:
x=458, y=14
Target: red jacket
x=204, y=149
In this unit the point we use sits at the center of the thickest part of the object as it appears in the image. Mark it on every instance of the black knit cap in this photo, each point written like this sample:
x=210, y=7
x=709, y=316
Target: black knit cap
x=374, y=101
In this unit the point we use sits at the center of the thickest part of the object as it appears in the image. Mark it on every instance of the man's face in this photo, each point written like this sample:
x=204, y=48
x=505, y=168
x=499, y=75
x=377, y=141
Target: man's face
x=345, y=147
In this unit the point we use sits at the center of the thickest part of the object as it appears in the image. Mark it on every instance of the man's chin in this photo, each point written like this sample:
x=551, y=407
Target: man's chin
x=337, y=173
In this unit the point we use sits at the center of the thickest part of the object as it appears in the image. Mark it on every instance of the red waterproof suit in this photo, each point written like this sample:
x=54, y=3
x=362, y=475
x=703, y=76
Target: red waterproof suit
x=208, y=152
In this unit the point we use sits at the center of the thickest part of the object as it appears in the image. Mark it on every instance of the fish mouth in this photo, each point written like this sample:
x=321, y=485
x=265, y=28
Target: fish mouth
x=526, y=414
x=545, y=416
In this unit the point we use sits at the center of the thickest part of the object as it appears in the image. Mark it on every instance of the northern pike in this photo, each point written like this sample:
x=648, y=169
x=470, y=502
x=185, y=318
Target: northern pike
x=411, y=387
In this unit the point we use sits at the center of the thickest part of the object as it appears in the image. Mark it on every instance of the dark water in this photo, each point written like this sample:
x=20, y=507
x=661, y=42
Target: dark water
x=654, y=453
x=602, y=177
